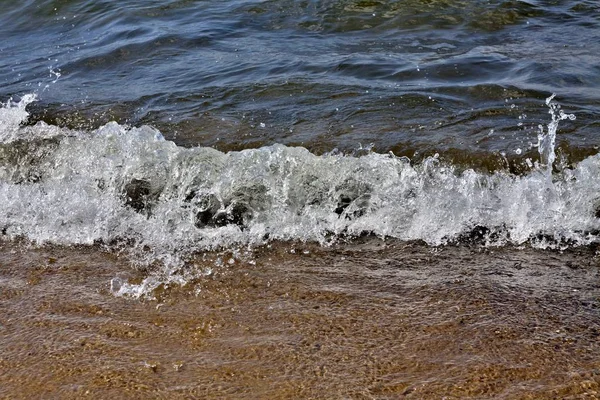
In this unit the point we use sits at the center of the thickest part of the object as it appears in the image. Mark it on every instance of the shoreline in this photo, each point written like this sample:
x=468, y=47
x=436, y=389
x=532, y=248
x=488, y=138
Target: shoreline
x=370, y=319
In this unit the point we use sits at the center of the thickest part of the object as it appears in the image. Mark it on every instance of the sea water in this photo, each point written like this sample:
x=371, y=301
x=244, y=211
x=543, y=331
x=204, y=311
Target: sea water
x=299, y=199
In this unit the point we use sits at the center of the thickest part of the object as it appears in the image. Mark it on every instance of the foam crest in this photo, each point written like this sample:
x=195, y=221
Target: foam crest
x=12, y=114
x=129, y=187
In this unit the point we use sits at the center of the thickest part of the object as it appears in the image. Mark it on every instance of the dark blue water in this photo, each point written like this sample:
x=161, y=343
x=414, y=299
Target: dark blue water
x=466, y=79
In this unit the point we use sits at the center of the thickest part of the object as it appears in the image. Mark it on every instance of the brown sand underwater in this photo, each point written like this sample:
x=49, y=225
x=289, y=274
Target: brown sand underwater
x=374, y=320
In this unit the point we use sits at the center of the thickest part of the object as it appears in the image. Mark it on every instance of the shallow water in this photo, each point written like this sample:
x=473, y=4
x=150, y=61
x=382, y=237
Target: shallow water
x=370, y=320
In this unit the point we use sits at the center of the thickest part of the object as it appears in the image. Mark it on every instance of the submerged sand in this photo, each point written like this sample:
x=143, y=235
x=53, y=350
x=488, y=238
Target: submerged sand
x=369, y=320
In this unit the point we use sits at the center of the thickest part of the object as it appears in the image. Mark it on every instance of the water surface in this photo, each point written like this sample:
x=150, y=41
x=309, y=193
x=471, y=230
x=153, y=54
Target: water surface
x=416, y=77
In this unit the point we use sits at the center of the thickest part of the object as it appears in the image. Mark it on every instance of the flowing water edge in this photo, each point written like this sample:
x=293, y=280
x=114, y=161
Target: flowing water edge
x=367, y=320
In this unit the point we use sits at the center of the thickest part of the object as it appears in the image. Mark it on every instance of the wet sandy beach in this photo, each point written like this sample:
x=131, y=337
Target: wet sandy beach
x=374, y=320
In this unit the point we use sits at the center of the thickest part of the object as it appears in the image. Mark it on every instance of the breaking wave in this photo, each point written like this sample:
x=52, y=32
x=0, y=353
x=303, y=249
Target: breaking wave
x=129, y=187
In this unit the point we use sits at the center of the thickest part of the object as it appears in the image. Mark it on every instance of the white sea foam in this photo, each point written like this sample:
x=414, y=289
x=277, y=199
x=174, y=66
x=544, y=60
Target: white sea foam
x=119, y=184
x=11, y=115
